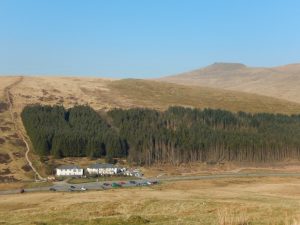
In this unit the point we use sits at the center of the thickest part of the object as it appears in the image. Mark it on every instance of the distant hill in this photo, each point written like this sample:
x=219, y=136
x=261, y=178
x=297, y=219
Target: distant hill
x=279, y=82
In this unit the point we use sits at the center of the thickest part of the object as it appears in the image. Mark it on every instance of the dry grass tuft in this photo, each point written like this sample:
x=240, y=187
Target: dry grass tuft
x=291, y=221
x=231, y=217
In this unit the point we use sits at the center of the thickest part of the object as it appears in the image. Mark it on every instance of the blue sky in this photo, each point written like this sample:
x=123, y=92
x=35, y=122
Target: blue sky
x=144, y=38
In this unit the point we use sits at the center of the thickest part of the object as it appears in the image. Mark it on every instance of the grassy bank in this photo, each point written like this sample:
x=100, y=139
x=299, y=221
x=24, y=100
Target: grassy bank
x=238, y=201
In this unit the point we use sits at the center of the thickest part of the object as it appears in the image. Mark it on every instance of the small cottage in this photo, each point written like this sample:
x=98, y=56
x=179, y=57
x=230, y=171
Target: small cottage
x=69, y=170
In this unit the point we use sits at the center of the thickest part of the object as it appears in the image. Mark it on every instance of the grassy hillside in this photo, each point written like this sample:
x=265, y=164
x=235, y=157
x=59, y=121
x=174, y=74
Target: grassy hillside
x=13, y=165
x=279, y=82
x=104, y=94
x=161, y=95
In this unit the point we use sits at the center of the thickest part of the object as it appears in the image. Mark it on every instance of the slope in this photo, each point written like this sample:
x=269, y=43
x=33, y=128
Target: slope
x=279, y=82
x=104, y=94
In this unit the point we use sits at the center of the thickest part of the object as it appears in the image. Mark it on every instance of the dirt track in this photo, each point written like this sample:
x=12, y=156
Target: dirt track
x=9, y=98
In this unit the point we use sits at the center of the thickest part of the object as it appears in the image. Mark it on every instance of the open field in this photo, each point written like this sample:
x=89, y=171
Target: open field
x=232, y=201
x=198, y=168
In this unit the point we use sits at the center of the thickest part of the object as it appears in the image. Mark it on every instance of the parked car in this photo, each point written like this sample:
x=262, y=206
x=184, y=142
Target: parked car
x=52, y=189
x=83, y=188
x=115, y=185
x=122, y=182
x=132, y=182
x=73, y=187
x=106, y=184
x=22, y=190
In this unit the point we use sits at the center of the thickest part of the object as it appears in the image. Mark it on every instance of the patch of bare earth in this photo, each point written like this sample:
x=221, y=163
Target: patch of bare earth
x=4, y=158
x=2, y=141
x=3, y=107
x=4, y=128
x=26, y=168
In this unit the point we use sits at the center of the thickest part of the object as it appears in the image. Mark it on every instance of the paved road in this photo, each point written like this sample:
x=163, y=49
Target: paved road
x=66, y=187
x=63, y=186
x=100, y=185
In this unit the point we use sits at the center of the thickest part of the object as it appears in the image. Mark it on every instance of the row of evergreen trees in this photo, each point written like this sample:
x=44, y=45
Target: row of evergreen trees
x=177, y=135
x=79, y=131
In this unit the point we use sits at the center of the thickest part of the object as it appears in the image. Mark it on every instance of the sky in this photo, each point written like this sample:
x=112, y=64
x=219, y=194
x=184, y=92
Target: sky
x=144, y=38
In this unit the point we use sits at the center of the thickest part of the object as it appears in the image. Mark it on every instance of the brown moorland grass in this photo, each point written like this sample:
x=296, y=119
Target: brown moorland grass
x=104, y=94
x=160, y=95
x=225, y=202
x=278, y=82
x=199, y=168
x=10, y=165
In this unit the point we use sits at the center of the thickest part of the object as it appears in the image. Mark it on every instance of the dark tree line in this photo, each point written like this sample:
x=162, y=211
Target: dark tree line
x=79, y=131
x=184, y=135
x=177, y=135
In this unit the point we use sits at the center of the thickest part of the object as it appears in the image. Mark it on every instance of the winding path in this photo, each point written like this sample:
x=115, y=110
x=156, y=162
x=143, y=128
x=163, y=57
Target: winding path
x=9, y=99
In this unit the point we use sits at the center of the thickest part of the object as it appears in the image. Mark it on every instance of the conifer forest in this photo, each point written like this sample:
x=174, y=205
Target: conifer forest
x=177, y=135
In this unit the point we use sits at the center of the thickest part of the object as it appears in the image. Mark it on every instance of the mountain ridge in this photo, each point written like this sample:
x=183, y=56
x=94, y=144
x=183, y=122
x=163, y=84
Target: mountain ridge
x=281, y=82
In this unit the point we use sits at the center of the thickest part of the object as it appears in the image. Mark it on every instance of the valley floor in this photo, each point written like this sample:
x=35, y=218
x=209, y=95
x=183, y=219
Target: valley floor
x=229, y=201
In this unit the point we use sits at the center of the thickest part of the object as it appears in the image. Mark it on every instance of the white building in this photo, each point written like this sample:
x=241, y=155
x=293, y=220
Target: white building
x=133, y=173
x=69, y=170
x=103, y=169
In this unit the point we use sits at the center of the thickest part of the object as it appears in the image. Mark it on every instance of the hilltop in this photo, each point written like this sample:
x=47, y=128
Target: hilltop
x=279, y=82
